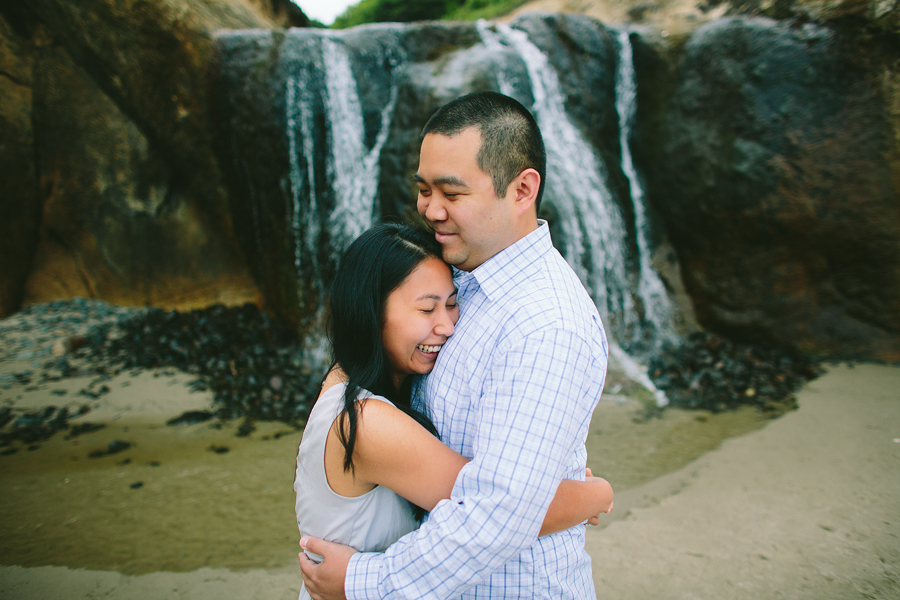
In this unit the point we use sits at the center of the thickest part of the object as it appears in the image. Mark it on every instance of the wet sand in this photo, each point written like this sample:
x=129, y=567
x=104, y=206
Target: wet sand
x=208, y=524
x=806, y=508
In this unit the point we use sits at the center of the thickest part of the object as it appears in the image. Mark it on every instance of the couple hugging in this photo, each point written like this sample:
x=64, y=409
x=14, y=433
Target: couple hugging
x=464, y=392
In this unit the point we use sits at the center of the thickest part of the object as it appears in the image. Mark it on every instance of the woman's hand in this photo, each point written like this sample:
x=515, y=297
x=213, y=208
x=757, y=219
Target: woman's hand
x=576, y=502
x=604, y=488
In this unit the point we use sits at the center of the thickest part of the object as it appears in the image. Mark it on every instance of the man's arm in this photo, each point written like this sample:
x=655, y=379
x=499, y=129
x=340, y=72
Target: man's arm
x=538, y=399
x=574, y=502
x=325, y=580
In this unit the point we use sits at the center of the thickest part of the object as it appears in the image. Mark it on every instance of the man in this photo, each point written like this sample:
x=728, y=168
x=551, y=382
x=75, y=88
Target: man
x=513, y=389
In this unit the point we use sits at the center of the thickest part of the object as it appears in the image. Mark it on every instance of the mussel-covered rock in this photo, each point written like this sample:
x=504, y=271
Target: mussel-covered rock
x=255, y=367
x=191, y=417
x=32, y=427
x=712, y=373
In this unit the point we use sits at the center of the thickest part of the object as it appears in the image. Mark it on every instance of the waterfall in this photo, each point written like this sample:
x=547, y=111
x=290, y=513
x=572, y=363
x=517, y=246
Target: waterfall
x=651, y=291
x=593, y=226
x=300, y=111
x=353, y=168
x=495, y=46
x=305, y=225
x=594, y=229
x=344, y=97
x=591, y=221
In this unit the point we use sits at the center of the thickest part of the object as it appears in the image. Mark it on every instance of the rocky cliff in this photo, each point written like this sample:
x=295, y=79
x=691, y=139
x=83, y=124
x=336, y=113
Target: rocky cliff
x=111, y=189
x=775, y=167
x=181, y=153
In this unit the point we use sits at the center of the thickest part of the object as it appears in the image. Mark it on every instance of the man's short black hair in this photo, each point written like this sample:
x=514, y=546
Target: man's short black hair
x=510, y=138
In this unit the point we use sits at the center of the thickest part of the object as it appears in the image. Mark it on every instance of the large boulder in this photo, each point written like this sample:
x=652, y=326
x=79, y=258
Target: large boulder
x=19, y=205
x=117, y=223
x=776, y=169
x=125, y=201
x=681, y=17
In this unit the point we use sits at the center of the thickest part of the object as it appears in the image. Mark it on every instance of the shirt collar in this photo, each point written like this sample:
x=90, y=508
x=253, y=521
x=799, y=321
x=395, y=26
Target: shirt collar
x=508, y=267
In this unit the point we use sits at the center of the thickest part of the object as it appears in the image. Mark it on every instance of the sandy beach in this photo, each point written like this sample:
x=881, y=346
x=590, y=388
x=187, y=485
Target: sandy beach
x=802, y=506
x=807, y=507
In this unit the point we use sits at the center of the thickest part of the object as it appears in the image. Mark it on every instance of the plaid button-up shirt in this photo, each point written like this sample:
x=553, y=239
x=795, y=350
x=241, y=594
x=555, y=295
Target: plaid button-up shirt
x=513, y=389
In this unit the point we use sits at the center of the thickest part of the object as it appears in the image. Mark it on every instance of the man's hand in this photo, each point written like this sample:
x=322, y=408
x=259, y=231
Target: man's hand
x=325, y=580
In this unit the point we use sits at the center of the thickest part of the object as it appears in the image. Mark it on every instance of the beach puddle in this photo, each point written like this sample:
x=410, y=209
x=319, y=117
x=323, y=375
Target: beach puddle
x=190, y=496
x=630, y=445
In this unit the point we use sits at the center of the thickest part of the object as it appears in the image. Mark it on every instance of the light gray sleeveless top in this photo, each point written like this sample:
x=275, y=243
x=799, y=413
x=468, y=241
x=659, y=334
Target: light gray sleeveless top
x=369, y=523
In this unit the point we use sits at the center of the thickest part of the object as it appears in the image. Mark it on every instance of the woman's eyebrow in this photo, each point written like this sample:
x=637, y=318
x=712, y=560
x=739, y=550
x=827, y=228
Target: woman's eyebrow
x=433, y=297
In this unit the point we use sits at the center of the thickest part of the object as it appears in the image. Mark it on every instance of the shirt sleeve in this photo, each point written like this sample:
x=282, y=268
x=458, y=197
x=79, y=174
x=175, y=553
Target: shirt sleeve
x=535, y=406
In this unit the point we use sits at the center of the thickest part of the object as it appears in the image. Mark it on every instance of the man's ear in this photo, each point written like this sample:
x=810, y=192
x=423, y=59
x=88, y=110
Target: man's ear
x=526, y=187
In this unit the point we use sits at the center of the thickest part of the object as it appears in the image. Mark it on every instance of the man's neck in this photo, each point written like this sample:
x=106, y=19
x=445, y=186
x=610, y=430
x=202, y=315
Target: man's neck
x=523, y=230
x=526, y=226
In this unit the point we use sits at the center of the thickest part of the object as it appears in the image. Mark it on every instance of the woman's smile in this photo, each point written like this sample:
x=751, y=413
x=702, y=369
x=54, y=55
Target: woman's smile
x=419, y=316
x=430, y=349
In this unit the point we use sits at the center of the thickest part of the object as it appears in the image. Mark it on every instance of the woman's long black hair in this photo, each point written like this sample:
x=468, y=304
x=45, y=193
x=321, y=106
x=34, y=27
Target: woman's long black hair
x=374, y=265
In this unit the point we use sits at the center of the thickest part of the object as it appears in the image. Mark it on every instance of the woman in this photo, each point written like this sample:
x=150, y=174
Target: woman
x=366, y=454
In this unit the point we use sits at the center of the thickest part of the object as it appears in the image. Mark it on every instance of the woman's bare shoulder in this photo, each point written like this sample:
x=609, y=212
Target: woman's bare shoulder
x=335, y=376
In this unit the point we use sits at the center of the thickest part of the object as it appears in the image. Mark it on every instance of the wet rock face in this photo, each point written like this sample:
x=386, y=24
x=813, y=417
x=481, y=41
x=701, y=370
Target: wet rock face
x=777, y=187
x=763, y=145
x=286, y=101
x=282, y=113
x=176, y=159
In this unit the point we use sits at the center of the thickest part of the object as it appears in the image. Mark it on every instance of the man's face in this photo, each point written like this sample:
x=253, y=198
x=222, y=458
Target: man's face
x=458, y=200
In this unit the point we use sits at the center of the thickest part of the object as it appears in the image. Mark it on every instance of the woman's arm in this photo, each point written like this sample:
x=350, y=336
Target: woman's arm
x=394, y=451
x=578, y=501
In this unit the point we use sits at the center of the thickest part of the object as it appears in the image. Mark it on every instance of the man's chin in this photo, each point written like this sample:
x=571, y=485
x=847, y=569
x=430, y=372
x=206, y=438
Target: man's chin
x=453, y=258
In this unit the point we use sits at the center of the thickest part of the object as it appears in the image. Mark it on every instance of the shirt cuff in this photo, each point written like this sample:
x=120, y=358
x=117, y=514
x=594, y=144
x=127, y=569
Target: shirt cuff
x=361, y=582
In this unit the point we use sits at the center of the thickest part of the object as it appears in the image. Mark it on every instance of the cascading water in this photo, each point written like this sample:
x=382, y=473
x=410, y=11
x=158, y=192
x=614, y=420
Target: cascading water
x=353, y=169
x=594, y=242
x=298, y=102
x=651, y=291
x=305, y=224
x=595, y=233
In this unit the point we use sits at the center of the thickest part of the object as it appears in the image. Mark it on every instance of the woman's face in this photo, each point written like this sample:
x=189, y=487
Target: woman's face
x=419, y=316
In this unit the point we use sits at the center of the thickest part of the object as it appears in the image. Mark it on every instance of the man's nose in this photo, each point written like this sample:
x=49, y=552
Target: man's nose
x=433, y=209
